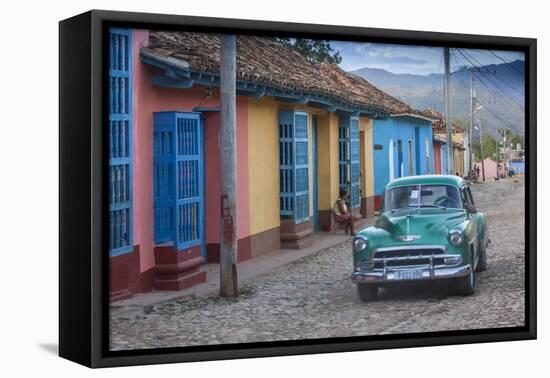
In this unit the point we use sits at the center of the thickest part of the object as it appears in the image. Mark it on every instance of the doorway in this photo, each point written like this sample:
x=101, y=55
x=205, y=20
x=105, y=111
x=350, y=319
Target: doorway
x=411, y=170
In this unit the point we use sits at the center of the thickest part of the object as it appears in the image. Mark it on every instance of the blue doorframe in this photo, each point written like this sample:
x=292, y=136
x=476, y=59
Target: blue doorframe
x=315, y=176
x=203, y=128
x=418, y=170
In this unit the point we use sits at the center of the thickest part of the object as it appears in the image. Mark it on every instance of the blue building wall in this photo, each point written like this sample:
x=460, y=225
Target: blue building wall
x=518, y=167
x=444, y=159
x=386, y=134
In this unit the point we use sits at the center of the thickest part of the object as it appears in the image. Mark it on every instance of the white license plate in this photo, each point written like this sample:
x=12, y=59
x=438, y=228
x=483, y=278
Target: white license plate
x=411, y=274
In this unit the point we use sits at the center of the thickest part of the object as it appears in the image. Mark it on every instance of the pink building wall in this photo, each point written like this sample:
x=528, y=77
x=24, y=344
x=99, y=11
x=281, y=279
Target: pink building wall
x=490, y=169
x=147, y=99
x=212, y=172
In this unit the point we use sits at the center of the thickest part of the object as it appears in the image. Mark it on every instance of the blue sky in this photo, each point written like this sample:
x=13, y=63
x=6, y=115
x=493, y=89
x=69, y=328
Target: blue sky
x=408, y=59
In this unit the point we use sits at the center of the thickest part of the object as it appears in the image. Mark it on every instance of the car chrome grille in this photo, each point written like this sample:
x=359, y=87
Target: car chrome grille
x=408, y=257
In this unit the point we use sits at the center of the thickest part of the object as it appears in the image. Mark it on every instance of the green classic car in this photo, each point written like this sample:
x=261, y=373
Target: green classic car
x=428, y=229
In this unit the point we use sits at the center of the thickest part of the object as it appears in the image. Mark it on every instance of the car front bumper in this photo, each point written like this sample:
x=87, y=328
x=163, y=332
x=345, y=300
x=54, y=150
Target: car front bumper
x=388, y=275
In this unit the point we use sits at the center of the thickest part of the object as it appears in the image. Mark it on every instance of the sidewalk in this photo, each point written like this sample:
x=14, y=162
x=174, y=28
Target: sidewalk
x=247, y=270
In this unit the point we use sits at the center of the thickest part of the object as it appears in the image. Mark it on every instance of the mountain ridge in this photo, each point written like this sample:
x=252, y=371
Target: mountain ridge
x=500, y=89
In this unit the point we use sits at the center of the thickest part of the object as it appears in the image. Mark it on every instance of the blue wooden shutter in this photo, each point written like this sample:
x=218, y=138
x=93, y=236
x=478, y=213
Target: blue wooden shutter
x=354, y=163
x=348, y=158
x=178, y=179
x=120, y=142
x=188, y=181
x=301, y=167
x=294, y=165
x=163, y=176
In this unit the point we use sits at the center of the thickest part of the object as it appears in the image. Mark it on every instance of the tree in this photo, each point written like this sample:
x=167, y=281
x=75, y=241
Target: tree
x=489, y=146
x=314, y=50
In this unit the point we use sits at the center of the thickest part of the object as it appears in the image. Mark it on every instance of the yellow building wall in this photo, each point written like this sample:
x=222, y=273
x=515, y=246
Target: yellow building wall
x=263, y=164
x=459, y=161
x=327, y=159
x=367, y=154
x=458, y=154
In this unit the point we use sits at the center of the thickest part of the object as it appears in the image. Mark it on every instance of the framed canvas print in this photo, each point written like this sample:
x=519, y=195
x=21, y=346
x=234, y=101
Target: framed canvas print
x=234, y=188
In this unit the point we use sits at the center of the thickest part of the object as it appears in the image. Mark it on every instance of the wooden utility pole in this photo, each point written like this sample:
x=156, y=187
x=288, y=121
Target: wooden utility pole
x=448, y=122
x=470, y=131
x=228, y=157
x=481, y=151
x=498, y=150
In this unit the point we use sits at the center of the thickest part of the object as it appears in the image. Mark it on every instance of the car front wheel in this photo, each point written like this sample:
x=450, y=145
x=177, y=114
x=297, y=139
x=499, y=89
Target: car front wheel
x=367, y=292
x=466, y=285
x=482, y=261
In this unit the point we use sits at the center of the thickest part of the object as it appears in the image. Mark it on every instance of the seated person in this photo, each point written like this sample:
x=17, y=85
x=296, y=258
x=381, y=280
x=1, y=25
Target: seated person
x=341, y=213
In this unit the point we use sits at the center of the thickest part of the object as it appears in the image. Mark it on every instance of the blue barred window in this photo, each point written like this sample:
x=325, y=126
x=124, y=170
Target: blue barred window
x=294, y=165
x=120, y=142
x=348, y=158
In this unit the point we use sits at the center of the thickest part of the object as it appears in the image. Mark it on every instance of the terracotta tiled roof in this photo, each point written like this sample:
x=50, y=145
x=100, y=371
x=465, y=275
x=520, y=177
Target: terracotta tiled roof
x=268, y=62
x=438, y=125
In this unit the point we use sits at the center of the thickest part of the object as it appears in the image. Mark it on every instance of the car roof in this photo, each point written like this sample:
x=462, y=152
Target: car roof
x=426, y=179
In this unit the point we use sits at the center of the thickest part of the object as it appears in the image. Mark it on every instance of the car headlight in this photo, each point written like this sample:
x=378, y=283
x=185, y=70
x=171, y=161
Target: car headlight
x=456, y=238
x=366, y=265
x=360, y=244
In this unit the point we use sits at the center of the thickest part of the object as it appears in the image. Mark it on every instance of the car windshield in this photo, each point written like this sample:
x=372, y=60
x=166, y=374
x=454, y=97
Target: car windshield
x=422, y=196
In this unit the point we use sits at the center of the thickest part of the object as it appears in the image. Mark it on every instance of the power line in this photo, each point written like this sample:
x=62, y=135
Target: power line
x=503, y=95
x=521, y=94
x=522, y=132
x=479, y=65
x=498, y=92
x=505, y=61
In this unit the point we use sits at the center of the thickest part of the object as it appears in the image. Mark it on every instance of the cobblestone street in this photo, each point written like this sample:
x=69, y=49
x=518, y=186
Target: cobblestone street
x=314, y=297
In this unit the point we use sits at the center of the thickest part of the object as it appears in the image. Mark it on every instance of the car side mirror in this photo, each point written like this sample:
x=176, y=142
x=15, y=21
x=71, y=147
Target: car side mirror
x=470, y=208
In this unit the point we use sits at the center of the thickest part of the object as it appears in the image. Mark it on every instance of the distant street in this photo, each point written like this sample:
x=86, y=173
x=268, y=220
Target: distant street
x=314, y=298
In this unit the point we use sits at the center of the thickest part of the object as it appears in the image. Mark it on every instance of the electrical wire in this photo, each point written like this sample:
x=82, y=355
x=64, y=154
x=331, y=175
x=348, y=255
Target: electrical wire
x=505, y=61
x=499, y=93
x=479, y=65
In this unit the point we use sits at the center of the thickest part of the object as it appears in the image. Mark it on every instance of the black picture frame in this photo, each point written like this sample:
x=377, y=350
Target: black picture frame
x=83, y=273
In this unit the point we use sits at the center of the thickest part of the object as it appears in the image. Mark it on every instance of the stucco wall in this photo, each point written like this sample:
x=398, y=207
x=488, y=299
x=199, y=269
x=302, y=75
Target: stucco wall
x=390, y=130
x=263, y=168
x=518, y=167
x=327, y=143
x=490, y=167
x=438, y=167
x=367, y=162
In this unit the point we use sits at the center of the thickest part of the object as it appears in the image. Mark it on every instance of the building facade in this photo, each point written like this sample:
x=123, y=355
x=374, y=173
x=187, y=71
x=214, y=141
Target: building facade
x=491, y=169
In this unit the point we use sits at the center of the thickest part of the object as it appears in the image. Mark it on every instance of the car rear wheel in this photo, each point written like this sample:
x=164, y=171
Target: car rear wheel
x=367, y=292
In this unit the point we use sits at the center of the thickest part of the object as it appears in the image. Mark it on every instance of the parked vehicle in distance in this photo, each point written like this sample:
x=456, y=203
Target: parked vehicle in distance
x=428, y=229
